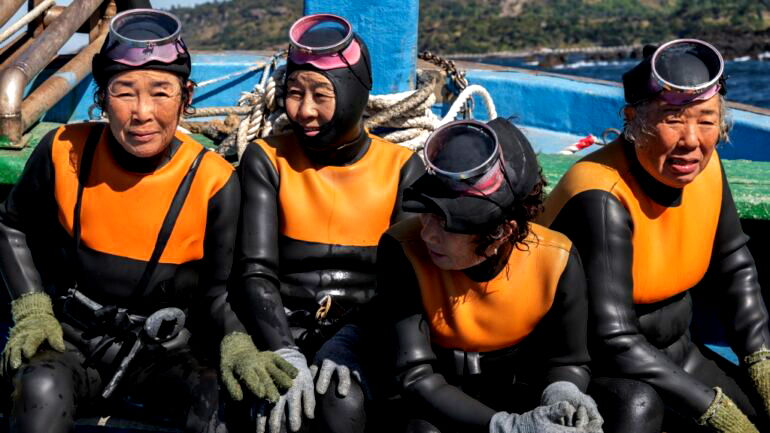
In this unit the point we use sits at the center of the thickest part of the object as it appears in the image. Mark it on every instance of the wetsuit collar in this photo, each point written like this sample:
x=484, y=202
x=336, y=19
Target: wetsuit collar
x=346, y=154
x=141, y=165
x=662, y=194
x=491, y=267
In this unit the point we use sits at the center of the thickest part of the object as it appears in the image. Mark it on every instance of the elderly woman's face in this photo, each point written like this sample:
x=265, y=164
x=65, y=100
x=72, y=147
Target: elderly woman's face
x=453, y=251
x=310, y=100
x=144, y=108
x=682, y=140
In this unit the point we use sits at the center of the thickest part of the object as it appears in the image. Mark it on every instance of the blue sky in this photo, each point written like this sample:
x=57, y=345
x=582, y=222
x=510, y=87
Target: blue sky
x=78, y=41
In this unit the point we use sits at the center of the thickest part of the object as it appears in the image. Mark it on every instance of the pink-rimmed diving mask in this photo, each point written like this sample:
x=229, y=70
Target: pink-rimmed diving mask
x=139, y=36
x=466, y=156
x=325, y=41
x=685, y=71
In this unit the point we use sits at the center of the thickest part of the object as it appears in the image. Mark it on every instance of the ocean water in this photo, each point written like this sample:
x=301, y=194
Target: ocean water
x=748, y=80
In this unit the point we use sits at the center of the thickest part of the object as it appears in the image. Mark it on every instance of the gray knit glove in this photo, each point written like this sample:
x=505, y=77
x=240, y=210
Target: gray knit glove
x=542, y=419
x=587, y=416
x=338, y=355
x=723, y=416
x=264, y=373
x=298, y=400
x=34, y=324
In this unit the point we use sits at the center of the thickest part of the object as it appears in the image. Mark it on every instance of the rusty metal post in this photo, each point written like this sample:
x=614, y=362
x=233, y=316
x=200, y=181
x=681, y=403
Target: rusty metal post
x=60, y=83
x=15, y=76
x=8, y=8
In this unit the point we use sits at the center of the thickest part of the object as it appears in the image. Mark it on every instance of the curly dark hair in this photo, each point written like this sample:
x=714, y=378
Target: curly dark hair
x=100, y=95
x=520, y=213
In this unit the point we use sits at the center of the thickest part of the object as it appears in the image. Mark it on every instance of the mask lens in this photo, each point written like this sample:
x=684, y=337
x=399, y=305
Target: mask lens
x=321, y=34
x=686, y=66
x=142, y=35
x=466, y=156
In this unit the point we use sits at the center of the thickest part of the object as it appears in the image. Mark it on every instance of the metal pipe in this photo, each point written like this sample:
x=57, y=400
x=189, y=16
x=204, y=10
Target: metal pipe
x=26, y=19
x=15, y=77
x=62, y=82
x=13, y=49
x=51, y=14
x=9, y=8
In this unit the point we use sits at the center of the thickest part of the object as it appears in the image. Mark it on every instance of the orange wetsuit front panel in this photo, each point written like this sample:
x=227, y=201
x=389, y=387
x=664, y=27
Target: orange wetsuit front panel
x=122, y=211
x=337, y=205
x=671, y=244
x=486, y=316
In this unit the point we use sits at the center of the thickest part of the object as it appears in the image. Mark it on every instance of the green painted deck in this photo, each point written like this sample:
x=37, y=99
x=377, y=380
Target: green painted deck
x=749, y=180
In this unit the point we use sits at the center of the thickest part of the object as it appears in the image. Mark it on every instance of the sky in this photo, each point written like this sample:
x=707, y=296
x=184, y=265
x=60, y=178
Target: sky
x=77, y=40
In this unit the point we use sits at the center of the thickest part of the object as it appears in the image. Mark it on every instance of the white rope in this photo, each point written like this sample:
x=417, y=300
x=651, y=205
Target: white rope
x=265, y=116
x=416, y=121
x=26, y=19
x=466, y=94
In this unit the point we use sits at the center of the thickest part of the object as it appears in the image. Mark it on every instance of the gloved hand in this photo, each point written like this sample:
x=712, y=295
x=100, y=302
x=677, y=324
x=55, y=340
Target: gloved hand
x=724, y=416
x=299, y=399
x=264, y=373
x=34, y=323
x=587, y=416
x=759, y=371
x=542, y=419
x=338, y=354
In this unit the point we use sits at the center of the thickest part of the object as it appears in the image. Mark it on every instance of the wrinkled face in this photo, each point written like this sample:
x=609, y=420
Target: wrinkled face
x=682, y=140
x=144, y=108
x=453, y=251
x=310, y=100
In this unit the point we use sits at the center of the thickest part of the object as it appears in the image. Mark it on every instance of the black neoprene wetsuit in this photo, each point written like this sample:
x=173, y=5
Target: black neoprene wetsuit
x=276, y=269
x=490, y=338
x=122, y=209
x=644, y=246
x=309, y=228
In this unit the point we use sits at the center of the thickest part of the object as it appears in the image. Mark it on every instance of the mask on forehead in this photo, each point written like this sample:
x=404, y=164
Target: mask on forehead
x=348, y=69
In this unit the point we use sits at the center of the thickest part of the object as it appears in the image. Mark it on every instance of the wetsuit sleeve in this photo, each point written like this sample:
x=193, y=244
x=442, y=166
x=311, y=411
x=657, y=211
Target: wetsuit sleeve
x=733, y=272
x=221, y=226
x=565, y=354
x=410, y=172
x=601, y=228
x=257, y=284
x=438, y=401
x=27, y=210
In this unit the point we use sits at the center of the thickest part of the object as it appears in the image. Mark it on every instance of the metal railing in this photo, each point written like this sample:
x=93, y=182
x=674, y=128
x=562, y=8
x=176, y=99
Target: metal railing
x=27, y=55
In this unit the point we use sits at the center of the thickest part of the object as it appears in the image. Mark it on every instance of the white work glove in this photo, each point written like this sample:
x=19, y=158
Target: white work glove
x=587, y=415
x=338, y=355
x=298, y=400
x=542, y=419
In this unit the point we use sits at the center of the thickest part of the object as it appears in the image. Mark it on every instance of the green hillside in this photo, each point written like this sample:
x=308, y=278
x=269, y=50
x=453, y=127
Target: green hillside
x=478, y=26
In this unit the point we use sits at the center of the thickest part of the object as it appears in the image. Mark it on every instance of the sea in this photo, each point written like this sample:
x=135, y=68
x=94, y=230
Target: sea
x=748, y=80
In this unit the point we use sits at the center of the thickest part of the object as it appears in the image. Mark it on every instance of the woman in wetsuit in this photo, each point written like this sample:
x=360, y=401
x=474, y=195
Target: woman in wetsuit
x=652, y=216
x=315, y=203
x=116, y=239
x=489, y=309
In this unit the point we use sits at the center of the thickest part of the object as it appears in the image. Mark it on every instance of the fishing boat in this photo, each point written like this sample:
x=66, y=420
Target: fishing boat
x=564, y=117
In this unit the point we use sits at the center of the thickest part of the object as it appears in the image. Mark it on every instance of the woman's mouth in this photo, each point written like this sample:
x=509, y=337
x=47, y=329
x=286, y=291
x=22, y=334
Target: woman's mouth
x=310, y=132
x=682, y=165
x=143, y=137
x=434, y=255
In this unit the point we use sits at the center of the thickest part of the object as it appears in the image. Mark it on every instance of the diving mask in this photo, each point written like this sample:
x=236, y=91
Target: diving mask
x=138, y=36
x=325, y=41
x=466, y=156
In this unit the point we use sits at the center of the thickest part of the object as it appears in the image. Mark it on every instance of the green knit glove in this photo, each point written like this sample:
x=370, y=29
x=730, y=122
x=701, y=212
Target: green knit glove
x=759, y=371
x=724, y=416
x=262, y=372
x=34, y=323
